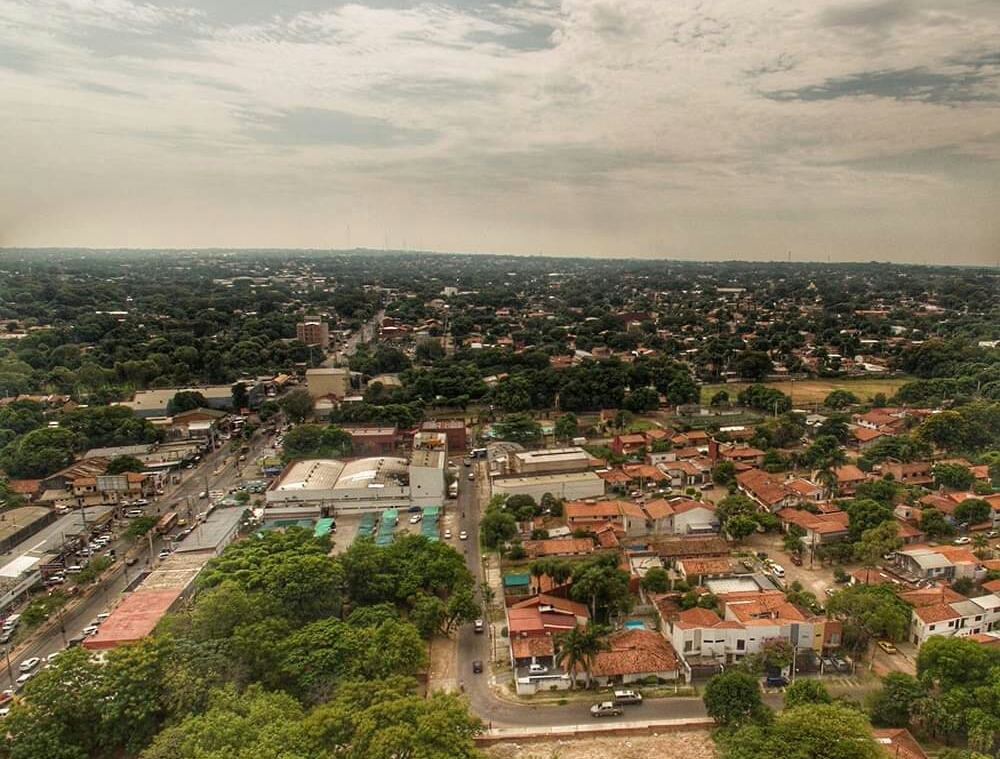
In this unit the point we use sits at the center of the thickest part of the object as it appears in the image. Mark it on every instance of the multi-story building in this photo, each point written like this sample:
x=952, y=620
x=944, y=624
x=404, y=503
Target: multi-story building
x=313, y=331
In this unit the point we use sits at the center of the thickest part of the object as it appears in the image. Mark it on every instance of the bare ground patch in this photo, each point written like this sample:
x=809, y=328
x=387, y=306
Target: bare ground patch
x=676, y=745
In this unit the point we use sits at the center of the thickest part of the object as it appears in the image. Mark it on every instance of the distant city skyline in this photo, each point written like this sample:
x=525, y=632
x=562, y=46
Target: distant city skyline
x=738, y=129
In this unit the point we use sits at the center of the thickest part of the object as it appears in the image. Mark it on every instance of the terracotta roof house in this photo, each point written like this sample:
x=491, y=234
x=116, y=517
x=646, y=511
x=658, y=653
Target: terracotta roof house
x=634, y=655
x=765, y=489
x=558, y=547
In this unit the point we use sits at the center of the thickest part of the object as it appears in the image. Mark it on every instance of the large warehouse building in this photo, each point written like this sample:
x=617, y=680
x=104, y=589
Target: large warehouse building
x=331, y=486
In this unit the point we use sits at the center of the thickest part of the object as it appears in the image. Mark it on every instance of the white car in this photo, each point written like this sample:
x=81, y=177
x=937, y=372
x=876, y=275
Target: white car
x=89, y=630
x=463, y=535
x=447, y=534
x=538, y=669
x=415, y=519
x=963, y=541
x=163, y=554
x=29, y=664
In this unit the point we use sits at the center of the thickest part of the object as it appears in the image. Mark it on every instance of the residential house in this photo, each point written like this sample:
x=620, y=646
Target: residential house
x=767, y=490
x=742, y=454
x=820, y=529
x=567, y=546
x=911, y=473
x=848, y=479
x=628, y=445
x=938, y=562
x=698, y=571
x=626, y=516
x=693, y=517
x=942, y=611
x=634, y=656
x=864, y=438
x=750, y=619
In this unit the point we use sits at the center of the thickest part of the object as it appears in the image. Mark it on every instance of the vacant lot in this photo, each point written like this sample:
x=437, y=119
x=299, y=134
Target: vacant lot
x=815, y=390
x=679, y=745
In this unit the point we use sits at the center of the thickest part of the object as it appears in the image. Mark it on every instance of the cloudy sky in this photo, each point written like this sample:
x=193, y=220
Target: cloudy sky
x=640, y=128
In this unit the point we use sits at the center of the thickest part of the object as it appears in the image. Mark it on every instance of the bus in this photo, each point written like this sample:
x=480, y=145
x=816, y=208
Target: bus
x=167, y=522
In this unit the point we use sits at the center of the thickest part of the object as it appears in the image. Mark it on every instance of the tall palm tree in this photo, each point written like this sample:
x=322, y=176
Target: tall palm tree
x=827, y=478
x=578, y=647
x=979, y=543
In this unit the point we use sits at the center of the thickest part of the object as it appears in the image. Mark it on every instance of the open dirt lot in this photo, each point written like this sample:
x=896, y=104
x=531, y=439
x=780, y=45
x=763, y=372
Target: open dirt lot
x=815, y=390
x=679, y=745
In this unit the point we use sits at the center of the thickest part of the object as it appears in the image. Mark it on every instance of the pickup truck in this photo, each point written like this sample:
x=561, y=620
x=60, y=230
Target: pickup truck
x=605, y=709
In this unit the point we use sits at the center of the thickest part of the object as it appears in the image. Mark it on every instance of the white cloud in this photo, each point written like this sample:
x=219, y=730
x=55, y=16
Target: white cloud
x=635, y=127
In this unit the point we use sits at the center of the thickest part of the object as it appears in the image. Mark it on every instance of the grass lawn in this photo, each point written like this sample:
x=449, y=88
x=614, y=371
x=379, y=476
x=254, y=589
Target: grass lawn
x=816, y=390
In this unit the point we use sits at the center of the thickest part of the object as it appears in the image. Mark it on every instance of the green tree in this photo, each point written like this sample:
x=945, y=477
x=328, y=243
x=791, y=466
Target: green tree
x=869, y=611
x=139, y=527
x=185, y=400
x=241, y=398
x=566, y=427
x=602, y=585
x=806, y=691
x=733, y=698
x=297, y=404
x=577, y=648
x=973, y=511
x=876, y=542
x=656, y=580
x=122, y=464
x=830, y=731
x=519, y=428
x=496, y=528
x=428, y=615
x=249, y=725
x=865, y=514
x=883, y=491
x=840, y=399
x=953, y=476
x=740, y=526
x=892, y=705
x=39, y=453
x=724, y=473
x=933, y=523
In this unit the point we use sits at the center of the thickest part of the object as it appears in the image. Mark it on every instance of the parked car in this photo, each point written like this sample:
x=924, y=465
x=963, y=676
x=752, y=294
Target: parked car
x=830, y=591
x=777, y=570
x=963, y=541
x=827, y=663
x=775, y=681
x=841, y=664
x=887, y=646
x=605, y=709
x=20, y=682
x=627, y=697
x=537, y=669
x=447, y=534
x=992, y=534
x=89, y=630
x=463, y=535
x=415, y=519
x=477, y=667
x=478, y=626
x=163, y=554
x=796, y=559
x=29, y=664
x=472, y=475
x=133, y=513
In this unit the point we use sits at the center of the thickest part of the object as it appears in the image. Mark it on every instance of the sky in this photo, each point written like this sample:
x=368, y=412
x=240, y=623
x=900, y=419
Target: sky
x=722, y=129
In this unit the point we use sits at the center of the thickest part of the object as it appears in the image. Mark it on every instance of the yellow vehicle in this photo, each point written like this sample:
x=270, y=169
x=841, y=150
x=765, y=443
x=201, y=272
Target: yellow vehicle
x=886, y=646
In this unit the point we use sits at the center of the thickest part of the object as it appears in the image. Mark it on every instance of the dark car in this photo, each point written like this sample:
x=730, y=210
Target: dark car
x=477, y=667
x=761, y=555
x=776, y=681
x=796, y=559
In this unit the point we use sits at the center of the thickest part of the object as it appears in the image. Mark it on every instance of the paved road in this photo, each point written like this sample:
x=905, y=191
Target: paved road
x=219, y=470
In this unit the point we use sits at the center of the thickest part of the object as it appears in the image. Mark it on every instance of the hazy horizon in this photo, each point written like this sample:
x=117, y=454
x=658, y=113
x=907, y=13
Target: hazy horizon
x=737, y=130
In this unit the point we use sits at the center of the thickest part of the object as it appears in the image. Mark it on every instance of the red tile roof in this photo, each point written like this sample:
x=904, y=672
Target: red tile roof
x=635, y=652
